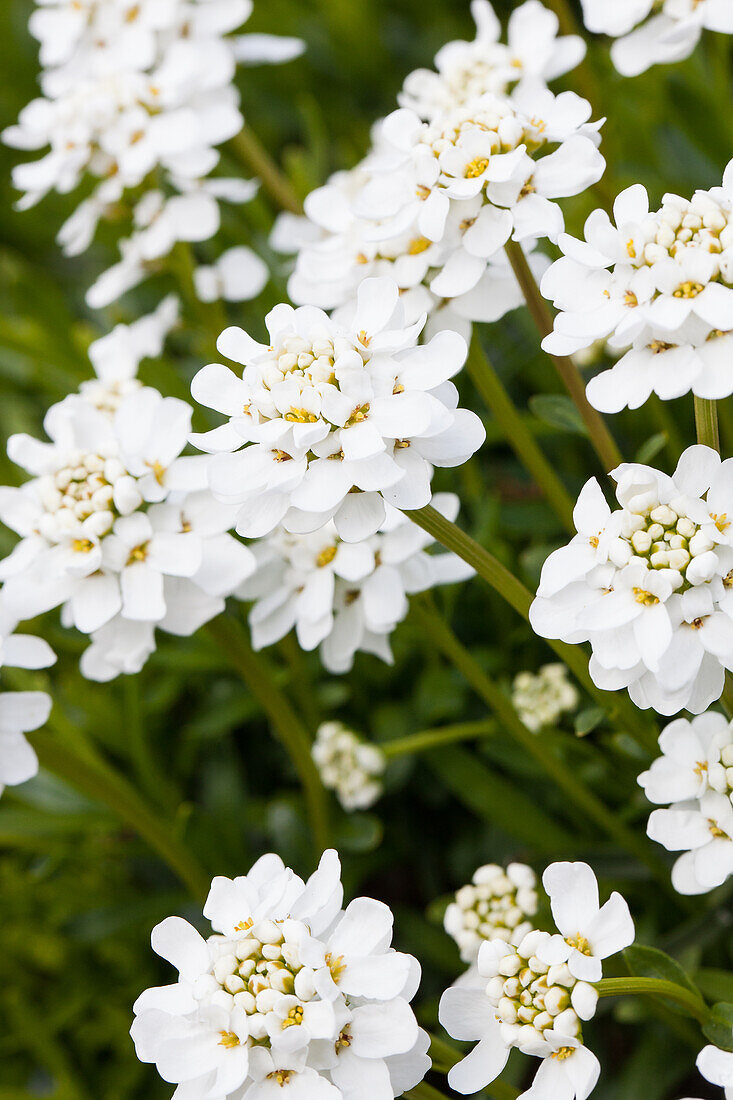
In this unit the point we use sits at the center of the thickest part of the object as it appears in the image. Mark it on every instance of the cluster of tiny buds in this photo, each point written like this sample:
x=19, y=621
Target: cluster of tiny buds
x=700, y=222
x=496, y=905
x=541, y=698
x=665, y=538
x=253, y=973
x=349, y=766
x=84, y=493
x=108, y=396
x=494, y=117
x=530, y=997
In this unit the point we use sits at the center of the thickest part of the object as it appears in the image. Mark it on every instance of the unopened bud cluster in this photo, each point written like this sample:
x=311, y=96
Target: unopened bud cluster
x=530, y=997
x=541, y=698
x=496, y=905
x=666, y=538
x=86, y=495
x=348, y=766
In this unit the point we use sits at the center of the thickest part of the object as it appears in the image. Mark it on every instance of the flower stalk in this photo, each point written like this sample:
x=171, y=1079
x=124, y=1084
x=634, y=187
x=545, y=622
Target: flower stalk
x=256, y=159
x=432, y=739
x=600, y=437
x=517, y=434
x=706, y=423
x=692, y=1003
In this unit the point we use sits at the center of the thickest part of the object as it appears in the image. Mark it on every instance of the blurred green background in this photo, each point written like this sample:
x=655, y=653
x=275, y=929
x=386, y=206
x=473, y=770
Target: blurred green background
x=79, y=893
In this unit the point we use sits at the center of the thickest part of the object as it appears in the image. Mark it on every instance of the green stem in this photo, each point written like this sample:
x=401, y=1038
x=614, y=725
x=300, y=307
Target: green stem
x=431, y=739
x=726, y=698
x=235, y=645
x=619, y=709
x=598, y=433
x=517, y=434
x=655, y=987
x=706, y=423
x=210, y=317
x=256, y=159
x=590, y=806
x=96, y=779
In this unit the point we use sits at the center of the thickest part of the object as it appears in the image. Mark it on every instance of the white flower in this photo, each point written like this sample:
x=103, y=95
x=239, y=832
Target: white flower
x=655, y=33
x=348, y=765
x=659, y=285
x=703, y=830
x=697, y=756
x=115, y=523
x=291, y=992
x=468, y=69
x=525, y=1004
x=496, y=905
x=589, y=932
x=649, y=584
x=20, y=711
x=345, y=597
x=237, y=276
x=330, y=422
x=716, y=1066
x=541, y=699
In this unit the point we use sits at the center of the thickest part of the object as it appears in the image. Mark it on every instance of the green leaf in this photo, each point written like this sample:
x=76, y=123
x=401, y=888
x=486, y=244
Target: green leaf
x=651, y=448
x=559, y=411
x=718, y=1027
x=716, y=985
x=650, y=962
x=587, y=720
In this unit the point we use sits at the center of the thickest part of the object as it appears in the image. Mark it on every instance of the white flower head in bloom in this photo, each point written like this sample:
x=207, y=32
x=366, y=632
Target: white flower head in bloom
x=117, y=356
x=330, y=422
x=345, y=597
x=541, y=699
x=496, y=905
x=20, y=711
x=655, y=32
x=659, y=286
x=114, y=523
x=348, y=765
x=468, y=69
x=531, y=1004
x=291, y=996
x=649, y=585
x=338, y=247
x=716, y=1066
x=694, y=777
x=589, y=932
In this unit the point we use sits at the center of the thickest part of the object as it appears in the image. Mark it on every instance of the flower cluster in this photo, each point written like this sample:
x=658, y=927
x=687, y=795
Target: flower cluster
x=538, y=993
x=115, y=526
x=497, y=905
x=659, y=286
x=541, y=699
x=291, y=996
x=466, y=70
x=655, y=32
x=330, y=422
x=345, y=597
x=649, y=585
x=348, y=765
x=460, y=168
x=20, y=711
x=138, y=94
x=694, y=776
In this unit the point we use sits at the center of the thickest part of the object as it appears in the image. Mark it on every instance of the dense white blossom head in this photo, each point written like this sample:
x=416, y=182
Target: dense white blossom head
x=541, y=699
x=465, y=70
x=291, y=995
x=20, y=711
x=655, y=32
x=115, y=524
x=537, y=1005
x=659, y=287
x=348, y=765
x=345, y=597
x=496, y=905
x=649, y=585
x=334, y=422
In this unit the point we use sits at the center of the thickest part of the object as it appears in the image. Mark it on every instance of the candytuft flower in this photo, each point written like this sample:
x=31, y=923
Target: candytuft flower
x=345, y=597
x=541, y=699
x=648, y=585
x=348, y=765
x=716, y=1066
x=497, y=905
x=659, y=286
x=290, y=996
x=20, y=711
x=655, y=32
x=329, y=422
